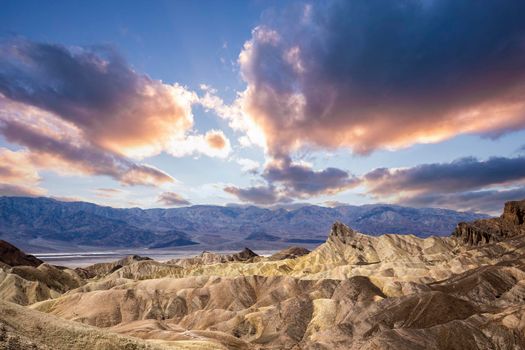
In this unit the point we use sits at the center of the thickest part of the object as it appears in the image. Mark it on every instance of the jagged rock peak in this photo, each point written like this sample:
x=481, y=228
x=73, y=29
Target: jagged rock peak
x=514, y=212
x=511, y=223
x=247, y=253
x=289, y=253
x=341, y=232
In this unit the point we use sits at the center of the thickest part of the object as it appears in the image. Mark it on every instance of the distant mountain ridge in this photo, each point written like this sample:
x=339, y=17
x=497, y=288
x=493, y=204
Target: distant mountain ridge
x=48, y=224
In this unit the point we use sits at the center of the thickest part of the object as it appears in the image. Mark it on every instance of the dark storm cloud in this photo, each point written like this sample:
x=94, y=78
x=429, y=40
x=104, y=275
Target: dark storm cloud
x=369, y=74
x=302, y=181
x=460, y=175
x=287, y=181
x=487, y=201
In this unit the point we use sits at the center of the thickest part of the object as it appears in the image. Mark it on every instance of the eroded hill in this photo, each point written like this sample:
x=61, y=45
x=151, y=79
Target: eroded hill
x=353, y=292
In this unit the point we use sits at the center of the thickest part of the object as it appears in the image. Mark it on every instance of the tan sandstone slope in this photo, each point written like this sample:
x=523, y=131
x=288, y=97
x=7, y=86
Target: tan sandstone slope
x=353, y=292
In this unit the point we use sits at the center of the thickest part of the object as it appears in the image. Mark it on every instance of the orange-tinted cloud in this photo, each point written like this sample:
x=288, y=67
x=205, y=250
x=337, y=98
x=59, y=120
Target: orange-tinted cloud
x=212, y=144
x=51, y=151
x=216, y=140
x=97, y=91
x=85, y=110
x=18, y=175
x=369, y=74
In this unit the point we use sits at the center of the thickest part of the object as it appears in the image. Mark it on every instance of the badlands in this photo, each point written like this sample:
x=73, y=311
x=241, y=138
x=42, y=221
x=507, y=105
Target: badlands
x=355, y=291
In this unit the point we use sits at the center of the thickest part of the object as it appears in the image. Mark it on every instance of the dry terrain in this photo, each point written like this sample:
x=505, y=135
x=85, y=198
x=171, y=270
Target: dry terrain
x=355, y=291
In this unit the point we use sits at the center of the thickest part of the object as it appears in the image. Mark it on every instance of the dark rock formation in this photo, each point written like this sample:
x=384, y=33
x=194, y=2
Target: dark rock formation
x=509, y=224
x=342, y=233
x=289, y=253
x=12, y=256
x=245, y=255
x=103, y=269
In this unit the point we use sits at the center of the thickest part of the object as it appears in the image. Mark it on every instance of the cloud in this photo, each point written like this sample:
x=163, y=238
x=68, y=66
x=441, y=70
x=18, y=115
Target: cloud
x=457, y=176
x=286, y=181
x=18, y=175
x=212, y=144
x=301, y=181
x=95, y=89
x=263, y=195
x=86, y=111
x=51, y=151
x=108, y=192
x=486, y=201
x=248, y=165
x=464, y=184
x=334, y=204
x=369, y=74
x=20, y=191
x=172, y=199
x=252, y=134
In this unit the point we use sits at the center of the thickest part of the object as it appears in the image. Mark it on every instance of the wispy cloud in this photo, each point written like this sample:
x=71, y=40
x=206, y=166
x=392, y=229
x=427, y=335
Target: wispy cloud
x=172, y=199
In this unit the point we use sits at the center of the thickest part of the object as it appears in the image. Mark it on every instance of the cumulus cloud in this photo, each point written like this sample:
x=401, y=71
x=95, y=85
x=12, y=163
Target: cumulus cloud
x=97, y=91
x=213, y=144
x=374, y=74
x=86, y=111
x=252, y=133
x=172, y=199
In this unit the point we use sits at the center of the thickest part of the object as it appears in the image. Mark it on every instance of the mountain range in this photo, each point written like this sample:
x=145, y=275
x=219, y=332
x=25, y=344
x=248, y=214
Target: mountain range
x=44, y=224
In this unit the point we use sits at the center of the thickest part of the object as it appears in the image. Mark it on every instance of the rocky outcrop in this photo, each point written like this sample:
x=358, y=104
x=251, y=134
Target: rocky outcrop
x=209, y=258
x=511, y=223
x=102, y=269
x=12, y=256
x=341, y=233
x=289, y=253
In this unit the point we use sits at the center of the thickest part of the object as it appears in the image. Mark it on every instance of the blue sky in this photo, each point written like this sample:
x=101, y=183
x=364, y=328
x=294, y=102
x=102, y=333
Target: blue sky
x=315, y=97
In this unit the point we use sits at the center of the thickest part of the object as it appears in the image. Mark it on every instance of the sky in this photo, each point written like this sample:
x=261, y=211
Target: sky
x=269, y=103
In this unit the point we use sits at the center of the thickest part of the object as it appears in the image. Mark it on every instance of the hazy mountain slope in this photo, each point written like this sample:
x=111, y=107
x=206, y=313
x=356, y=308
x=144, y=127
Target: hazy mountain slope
x=42, y=223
